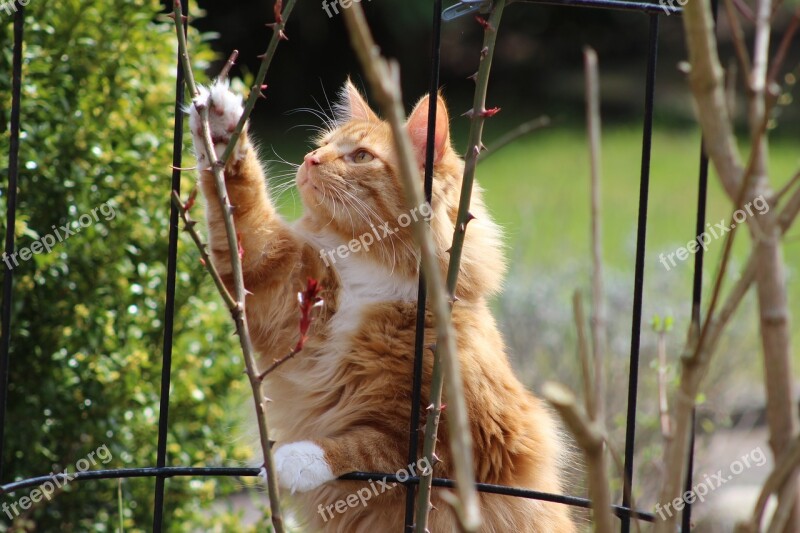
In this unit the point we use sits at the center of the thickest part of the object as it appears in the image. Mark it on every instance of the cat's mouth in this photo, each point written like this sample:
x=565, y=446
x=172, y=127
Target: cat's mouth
x=304, y=179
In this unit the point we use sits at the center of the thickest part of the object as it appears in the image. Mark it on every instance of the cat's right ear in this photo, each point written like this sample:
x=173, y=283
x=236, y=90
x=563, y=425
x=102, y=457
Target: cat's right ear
x=417, y=126
x=351, y=105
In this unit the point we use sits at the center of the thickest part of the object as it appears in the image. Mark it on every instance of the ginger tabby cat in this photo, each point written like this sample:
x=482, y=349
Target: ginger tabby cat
x=343, y=403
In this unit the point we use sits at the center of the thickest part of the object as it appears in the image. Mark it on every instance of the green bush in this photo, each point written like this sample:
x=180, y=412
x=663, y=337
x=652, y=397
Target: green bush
x=88, y=317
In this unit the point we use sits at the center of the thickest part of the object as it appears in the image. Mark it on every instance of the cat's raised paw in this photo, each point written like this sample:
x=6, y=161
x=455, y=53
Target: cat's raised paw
x=301, y=466
x=224, y=110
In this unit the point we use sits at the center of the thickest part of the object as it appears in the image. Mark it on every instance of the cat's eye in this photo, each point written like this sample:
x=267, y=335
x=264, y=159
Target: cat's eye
x=362, y=156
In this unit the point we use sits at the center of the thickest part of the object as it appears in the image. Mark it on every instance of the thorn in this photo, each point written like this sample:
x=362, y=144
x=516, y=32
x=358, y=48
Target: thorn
x=470, y=217
x=443, y=407
x=482, y=146
x=431, y=347
x=469, y=114
x=435, y=458
x=190, y=202
x=202, y=261
x=487, y=113
x=484, y=52
x=276, y=10
x=431, y=407
x=281, y=35
x=449, y=250
x=434, y=508
x=271, y=443
x=484, y=23
x=474, y=77
x=476, y=150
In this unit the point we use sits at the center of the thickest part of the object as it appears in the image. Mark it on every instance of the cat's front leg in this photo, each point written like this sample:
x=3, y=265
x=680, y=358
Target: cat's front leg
x=256, y=220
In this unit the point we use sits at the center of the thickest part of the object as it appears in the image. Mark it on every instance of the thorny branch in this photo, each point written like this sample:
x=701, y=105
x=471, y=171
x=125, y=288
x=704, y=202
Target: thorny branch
x=217, y=168
x=383, y=78
x=477, y=115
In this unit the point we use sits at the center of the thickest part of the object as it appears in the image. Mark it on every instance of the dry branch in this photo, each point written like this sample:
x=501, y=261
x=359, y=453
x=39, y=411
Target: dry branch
x=590, y=437
x=383, y=78
x=598, y=322
x=477, y=115
x=238, y=308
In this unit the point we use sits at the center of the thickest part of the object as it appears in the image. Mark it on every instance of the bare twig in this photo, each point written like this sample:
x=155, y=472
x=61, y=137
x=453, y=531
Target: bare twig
x=739, y=45
x=711, y=104
x=661, y=329
x=783, y=469
x=520, y=131
x=226, y=69
x=776, y=198
x=278, y=35
x=477, y=115
x=745, y=10
x=205, y=259
x=590, y=438
x=783, y=48
x=238, y=310
x=383, y=77
x=584, y=357
x=598, y=322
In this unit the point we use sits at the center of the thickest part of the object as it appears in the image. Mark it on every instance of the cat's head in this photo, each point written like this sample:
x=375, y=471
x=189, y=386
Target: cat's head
x=351, y=188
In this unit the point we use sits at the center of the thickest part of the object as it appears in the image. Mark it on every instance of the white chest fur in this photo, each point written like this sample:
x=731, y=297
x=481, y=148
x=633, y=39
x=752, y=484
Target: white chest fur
x=363, y=283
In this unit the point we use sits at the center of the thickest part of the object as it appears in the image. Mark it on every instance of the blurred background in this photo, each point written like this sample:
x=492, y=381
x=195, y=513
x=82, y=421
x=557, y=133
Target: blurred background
x=88, y=318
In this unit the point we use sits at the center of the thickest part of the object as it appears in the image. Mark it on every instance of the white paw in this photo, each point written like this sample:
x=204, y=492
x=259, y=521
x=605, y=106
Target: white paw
x=301, y=466
x=224, y=110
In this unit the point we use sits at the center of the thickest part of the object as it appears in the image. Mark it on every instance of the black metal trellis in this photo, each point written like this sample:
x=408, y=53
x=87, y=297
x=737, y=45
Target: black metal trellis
x=161, y=471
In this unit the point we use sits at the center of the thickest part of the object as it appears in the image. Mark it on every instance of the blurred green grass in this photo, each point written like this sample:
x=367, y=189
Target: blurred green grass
x=543, y=181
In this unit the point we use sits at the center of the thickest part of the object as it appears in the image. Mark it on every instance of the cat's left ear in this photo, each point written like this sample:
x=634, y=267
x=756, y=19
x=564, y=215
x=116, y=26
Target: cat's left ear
x=351, y=105
x=417, y=126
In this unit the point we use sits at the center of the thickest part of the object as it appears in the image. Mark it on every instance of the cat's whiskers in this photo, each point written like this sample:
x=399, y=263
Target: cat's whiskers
x=392, y=235
x=371, y=223
x=338, y=193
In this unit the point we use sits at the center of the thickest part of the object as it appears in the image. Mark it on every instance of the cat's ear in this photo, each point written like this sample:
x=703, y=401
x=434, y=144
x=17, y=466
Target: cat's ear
x=417, y=126
x=351, y=105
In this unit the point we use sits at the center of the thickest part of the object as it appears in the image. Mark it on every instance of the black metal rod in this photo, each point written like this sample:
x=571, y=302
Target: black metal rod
x=618, y=5
x=697, y=294
x=641, y=234
x=11, y=216
x=182, y=471
x=422, y=295
x=169, y=308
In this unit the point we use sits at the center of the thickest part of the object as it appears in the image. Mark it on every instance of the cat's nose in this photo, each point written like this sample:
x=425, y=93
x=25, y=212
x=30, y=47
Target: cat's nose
x=312, y=158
